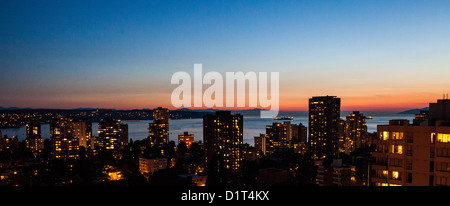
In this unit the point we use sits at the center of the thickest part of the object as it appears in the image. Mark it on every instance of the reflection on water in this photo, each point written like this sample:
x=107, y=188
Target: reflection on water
x=253, y=125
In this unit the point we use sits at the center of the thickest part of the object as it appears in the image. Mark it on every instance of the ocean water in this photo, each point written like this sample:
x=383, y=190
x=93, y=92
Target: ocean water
x=253, y=125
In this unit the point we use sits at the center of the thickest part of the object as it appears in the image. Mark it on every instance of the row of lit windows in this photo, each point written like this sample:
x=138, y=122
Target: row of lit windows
x=395, y=135
x=439, y=137
x=385, y=184
x=395, y=175
x=443, y=138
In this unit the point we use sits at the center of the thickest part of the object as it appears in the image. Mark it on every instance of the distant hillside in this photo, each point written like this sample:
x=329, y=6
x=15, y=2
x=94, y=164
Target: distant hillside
x=16, y=117
x=413, y=111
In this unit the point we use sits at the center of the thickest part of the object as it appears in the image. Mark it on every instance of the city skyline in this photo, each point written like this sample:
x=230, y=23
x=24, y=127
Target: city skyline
x=337, y=152
x=375, y=55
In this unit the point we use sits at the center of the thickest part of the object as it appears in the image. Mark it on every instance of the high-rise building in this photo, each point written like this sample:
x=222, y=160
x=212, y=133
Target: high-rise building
x=414, y=155
x=161, y=115
x=158, y=134
x=260, y=144
x=112, y=134
x=223, y=138
x=63, y=140
x=123, y=138
x=34, y=140
x=159, y=128
x=299, y=138
x=355, y=132
x=324, y=120
x=82, y=129
x=186, y=138
x=278, y=136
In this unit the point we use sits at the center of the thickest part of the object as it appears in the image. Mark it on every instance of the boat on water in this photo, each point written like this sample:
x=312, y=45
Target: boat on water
x=283, y=118
x=370, y=117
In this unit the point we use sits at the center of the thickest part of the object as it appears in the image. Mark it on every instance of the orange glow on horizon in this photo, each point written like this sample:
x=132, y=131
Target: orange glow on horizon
x=387, y=102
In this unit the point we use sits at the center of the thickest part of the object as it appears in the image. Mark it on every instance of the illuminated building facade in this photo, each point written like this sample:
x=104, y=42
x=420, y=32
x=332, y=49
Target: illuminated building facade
x=278, y=136
x=112, y=135
x=147, y=166
x=82, y=129
x=260, y=144
x=324, y=121
x=414, y=155
x=34, y=140
x=299, y=138
x=62, y=136
x=7, y=143
x=355, y=132
x=222, y=137
x=186, y=138
x=161, y=115
x=159, y=128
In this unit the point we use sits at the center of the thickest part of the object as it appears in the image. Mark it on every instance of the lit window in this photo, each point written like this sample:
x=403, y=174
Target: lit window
x=385, y=135
x=395, y=175
x=397, y=135
x=385, y=173
x=443, y=138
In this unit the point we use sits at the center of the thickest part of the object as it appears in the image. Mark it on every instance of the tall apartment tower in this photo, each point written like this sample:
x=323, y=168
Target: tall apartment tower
x=161, y=115
x=279, y=136
x=82, y=129
x=324, y=120
x=355, y=132
x=260, y=143
x=299, y=138
x=63, y=140
x=223, y=139
x=159, y=128
x=34, y=140
x=112, y=134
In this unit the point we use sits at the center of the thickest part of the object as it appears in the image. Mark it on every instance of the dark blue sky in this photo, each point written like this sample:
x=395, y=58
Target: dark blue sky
x=121, y=54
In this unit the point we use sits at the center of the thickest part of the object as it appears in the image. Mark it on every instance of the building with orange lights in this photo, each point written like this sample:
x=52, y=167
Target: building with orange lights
x=414, y=154
x=64, y=143
x=186, y=138
x=260, y=144
x=223, y=139
x=112, y=135
x=354, y=132
x=324, y=126
x=159, y=128
x=147, y=166
x=34, y=140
